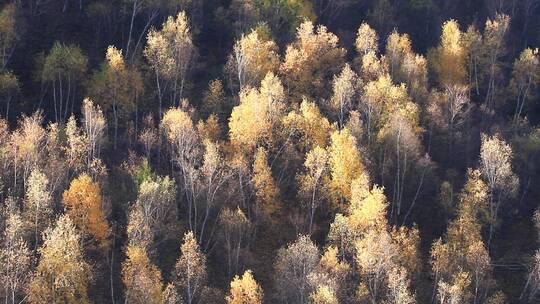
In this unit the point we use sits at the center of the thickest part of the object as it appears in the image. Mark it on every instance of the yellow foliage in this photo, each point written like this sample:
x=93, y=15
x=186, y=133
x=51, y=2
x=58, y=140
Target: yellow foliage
x=369, y=212
x=169, y=50
x=266, y=190
x=245, y=290
x=210, y=129
x=373, y=67
x=62, y=272
x=115, y=59
x=332, y=266
x=449, y=58
x=463, y=249
x=177, y=124
x=382, y=99
x=324, y=295
x=141, y=278
x=397, y=47
x=84, y=206
x=253, y=57
x=312, y=58
x=345, y=164
x=408, y=242
x=367, y=40
x=314, y=128
x=253, y=120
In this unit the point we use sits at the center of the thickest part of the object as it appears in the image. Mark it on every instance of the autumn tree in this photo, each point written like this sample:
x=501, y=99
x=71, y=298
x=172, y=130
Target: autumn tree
x=62, y=274
x=450, y=109
x=493, y=46
x=370, y=64
x=525, y=77
x=210, y=129
x=38, y=208
x=94, y=128
x=367, y=40
x=463, y=254
x=215, y=102
x=213, y=175
x=245, y=290
x=309, y=125
x=448, y=59
x=235, y=234
x=189, y=274
x=398, y=286
x=472, y=42
x=345, y=164
x=183, y=140
x=496, y=168
x=314, y=57
x=375, y=255
x=15, y=256
x=116, y=86
x=148, y=135
x=456, y=290
x=331, y=278
x=254, y=56
x=170, y=53
x=401, y=136
x=293, y=265
x=150, y=10
x=55, y=166
x=382, y=264
x=323, y=295
x=26, y=147
x=266, y=190
x=152, y=217
x=532, y=284
x=62, y=71
x=83, y=203
x=367, y=210
x=363, y=235
x=397, y=47
x=75, y=148
x=380, y=99
x=345, y=87
x=415, y=71
x=313, y=182
x=142, y=279
x=252, y=122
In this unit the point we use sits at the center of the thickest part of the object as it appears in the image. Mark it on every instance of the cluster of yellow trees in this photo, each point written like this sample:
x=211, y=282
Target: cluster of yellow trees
x=327, y=149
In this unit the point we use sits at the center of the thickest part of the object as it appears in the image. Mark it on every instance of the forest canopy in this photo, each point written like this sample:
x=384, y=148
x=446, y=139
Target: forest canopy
x=270, y=151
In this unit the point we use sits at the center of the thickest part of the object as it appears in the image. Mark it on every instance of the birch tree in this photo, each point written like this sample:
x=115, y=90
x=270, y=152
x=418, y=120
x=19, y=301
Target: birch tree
x=190, y=273
x=313, y=57
x=62, y=71
x=496, y=168
x=345, y=87
x=116, y=87
x=254, y=56
x=62, y=274
x=293, y=265
x=170, y=52
x=245, y=290
x=525, y=77
x=38, y=208
x=493, y=45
